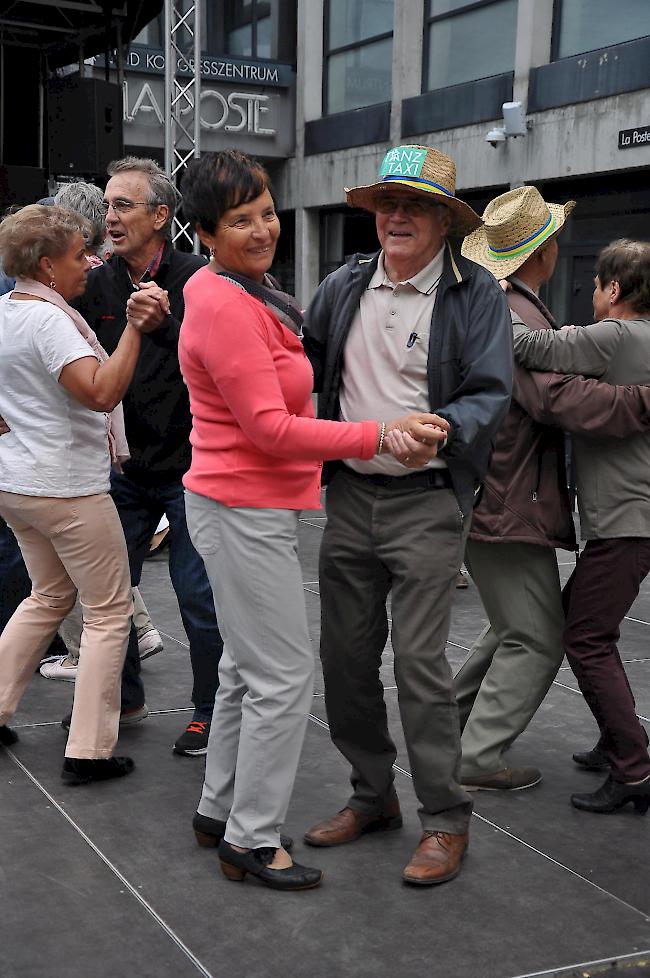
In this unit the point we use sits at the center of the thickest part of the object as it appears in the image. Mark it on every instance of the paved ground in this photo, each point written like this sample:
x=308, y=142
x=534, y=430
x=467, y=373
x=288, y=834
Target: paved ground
x=107, y=881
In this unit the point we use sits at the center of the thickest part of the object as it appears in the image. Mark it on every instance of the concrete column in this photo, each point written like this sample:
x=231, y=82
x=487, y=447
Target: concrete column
x=307, y=253
x=534, y=29
x=309, y=105
x=310, y=60
x=408, y=27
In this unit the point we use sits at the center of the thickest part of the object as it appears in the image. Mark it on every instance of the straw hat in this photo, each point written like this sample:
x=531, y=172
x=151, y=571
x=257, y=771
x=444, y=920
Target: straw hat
x=515, y=225
x=422, y=170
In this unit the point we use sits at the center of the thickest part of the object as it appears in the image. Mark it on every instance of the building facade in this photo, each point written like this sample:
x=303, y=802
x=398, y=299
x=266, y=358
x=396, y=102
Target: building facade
x=378, y=72
x=319, y=89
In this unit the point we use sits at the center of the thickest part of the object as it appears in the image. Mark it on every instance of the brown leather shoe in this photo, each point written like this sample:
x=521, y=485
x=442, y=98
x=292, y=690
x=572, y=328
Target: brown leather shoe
x=348, y=824
x=509, y=779
x=436, y=859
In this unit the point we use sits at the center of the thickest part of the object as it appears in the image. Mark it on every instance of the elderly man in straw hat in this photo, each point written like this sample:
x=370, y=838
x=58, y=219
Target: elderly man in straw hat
x=414, y=327
x=524, y=511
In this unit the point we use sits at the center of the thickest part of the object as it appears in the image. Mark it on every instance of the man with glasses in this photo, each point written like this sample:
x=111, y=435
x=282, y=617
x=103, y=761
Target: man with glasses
x=415, y=327
x=148, y=274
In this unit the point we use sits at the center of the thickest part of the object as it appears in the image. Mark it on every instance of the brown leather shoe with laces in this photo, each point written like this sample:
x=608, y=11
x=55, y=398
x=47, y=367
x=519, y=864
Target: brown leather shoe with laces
x=437, y=858
x=348, y=824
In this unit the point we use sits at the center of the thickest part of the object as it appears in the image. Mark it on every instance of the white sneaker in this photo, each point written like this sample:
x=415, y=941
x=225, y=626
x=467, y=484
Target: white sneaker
x=59, y=667
x=149, y=643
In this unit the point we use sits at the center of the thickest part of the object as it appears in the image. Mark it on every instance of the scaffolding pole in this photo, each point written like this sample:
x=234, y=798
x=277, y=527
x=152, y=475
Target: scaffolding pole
x=182, y=98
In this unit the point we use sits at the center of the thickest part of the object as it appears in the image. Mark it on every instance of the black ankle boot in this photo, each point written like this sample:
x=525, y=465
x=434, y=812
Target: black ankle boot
x=83, y=770
x=235, y=865
x=7, y=736
x=209, y=832
x=592, y=760
x=613, y=795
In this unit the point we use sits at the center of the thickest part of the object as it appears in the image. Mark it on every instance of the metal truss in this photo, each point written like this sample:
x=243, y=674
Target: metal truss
x=182, y=96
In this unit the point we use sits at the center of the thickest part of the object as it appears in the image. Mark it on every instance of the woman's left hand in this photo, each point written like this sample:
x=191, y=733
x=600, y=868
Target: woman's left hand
x=411, y=453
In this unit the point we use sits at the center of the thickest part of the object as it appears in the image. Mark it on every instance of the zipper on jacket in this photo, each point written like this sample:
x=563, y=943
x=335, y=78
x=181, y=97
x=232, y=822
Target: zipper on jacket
x=539, y=478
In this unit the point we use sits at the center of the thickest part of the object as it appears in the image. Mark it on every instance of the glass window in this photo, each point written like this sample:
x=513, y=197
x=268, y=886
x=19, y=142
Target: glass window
x=358, y=21
x=239, y=43
x=251, y=28
x=264, y=38
x=470, y=44
x=360, y=76
x=584, y=25
x=239, y=28
x=438, y=8
x=358, y=54
x=154, y=33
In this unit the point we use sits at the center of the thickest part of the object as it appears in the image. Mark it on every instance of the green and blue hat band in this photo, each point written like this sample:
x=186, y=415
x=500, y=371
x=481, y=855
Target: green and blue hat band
x=417, y=183
x=528, y=244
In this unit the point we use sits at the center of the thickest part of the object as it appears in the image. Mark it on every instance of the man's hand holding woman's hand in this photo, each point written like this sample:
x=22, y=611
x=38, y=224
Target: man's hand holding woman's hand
x=415, y=439
x=147, y=308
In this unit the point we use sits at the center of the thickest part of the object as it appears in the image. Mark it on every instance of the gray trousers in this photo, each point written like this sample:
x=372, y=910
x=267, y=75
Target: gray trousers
x=514, y=661
x=409, y=542
x=265, y=672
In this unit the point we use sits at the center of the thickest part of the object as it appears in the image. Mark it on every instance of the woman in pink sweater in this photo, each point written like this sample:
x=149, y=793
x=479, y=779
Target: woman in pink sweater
x=257, y=453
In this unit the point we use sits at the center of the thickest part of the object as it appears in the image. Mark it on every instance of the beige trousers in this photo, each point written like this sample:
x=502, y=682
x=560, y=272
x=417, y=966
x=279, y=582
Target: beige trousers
x=70, y=545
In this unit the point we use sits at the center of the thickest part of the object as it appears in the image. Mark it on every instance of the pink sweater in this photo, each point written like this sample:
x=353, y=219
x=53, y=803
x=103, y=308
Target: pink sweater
x=255, y=441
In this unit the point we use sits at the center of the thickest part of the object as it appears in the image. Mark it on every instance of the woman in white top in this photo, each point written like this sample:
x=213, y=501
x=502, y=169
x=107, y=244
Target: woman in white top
x=60, y=397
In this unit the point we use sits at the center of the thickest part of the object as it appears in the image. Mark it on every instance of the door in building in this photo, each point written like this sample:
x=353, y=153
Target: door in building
x=581, y=310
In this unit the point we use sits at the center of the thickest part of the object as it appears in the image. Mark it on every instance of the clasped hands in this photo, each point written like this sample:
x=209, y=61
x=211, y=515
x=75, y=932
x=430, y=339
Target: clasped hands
x=414, y=440
x=147, y=308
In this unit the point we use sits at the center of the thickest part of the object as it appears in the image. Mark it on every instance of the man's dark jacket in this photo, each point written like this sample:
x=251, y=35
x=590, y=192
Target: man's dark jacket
x=156, y=405
x=469, y=366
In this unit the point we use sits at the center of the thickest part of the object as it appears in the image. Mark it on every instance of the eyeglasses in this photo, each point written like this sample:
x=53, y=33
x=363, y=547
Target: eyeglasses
x=124, y=206
x=410, y=206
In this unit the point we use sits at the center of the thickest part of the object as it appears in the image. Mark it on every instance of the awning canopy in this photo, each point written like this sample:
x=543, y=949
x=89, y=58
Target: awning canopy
x=61, y=28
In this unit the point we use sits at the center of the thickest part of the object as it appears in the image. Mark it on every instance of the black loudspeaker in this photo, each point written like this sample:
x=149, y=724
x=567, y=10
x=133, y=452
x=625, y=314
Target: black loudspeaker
x=84, y=125
x=20, y=185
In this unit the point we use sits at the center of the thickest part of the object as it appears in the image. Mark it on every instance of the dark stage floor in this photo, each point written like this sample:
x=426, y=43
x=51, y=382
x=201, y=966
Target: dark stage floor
x=107, y=881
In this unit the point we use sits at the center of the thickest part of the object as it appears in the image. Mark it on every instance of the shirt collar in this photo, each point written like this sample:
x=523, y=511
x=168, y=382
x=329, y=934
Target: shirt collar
x=158, y=266
x=526, y=289
x=424, y=281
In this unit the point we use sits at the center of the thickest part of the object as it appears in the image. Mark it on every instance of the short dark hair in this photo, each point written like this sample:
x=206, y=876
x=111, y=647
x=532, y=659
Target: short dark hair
x=35, y=232
x=161, y=189
x=628, y=263
x=217, y=182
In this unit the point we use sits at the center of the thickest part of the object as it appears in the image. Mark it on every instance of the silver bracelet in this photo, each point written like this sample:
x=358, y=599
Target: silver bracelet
x=382, y=434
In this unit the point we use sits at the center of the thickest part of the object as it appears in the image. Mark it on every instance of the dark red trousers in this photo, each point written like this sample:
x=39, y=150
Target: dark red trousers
x=599, y=594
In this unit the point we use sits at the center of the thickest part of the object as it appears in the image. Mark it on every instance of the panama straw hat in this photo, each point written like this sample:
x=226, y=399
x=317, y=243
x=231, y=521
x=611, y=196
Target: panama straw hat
x=515, y=225
x=425, y=171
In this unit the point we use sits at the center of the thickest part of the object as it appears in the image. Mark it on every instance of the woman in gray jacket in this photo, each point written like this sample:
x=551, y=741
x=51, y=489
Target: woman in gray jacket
x=613, y=480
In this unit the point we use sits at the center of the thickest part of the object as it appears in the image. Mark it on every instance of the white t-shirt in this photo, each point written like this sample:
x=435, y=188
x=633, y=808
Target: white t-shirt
x=56, y=446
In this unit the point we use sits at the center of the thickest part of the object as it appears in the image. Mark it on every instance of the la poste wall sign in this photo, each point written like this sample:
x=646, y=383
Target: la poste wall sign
x=630, y=138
